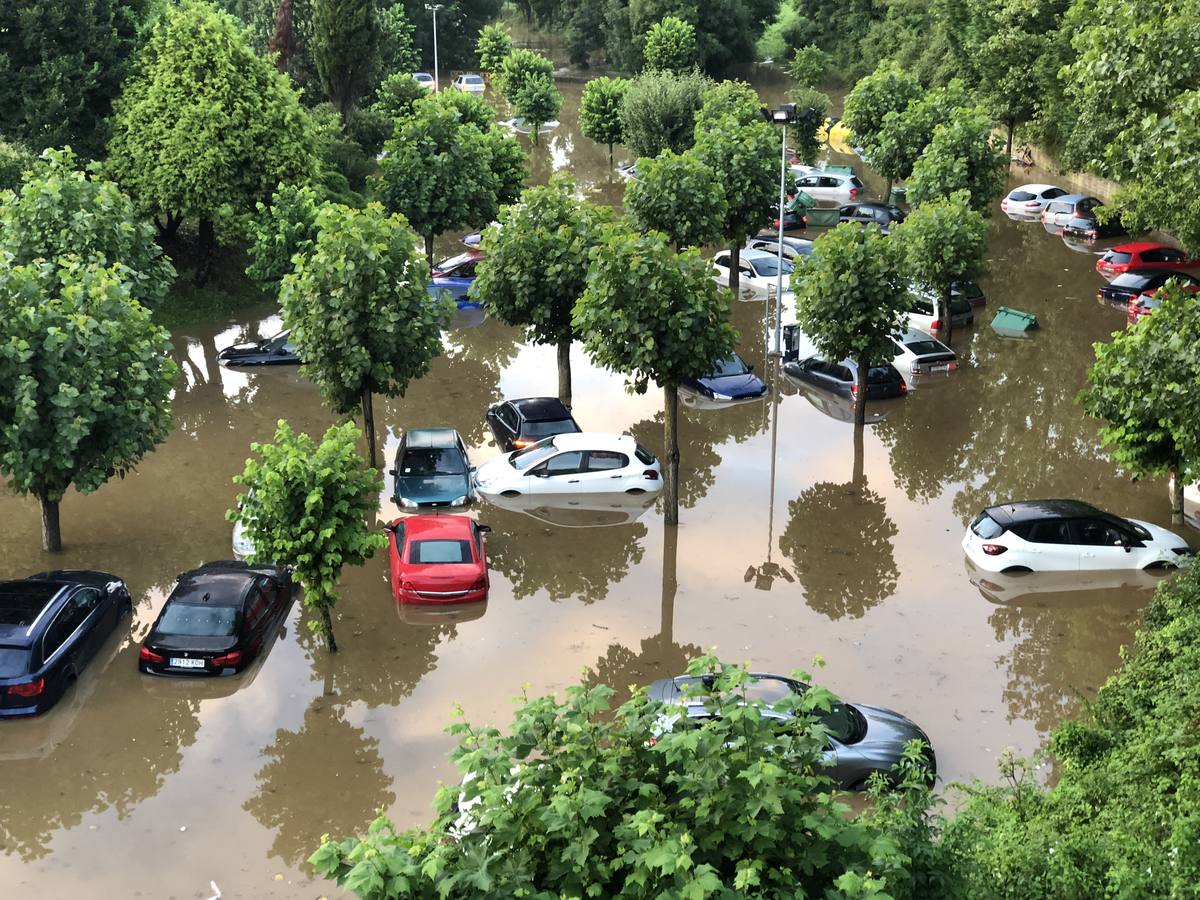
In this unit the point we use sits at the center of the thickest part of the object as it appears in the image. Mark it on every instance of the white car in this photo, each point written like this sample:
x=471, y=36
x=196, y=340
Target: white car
x=822, y=185
x=1028, y=200
x=798, y=250
x=918, y=353
x=923, y=311
x=577, y=463
x=758, y=273
x=425, y=80
x=1065, y=536
x=243, y=547
x=470, y=82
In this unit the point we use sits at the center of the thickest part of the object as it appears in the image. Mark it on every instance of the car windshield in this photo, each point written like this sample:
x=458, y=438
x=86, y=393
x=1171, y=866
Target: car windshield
x=732, y=365
x=278, y=342
x=923, y=347
x=532, y=455
x=549, y=427
x=13, y=661
x=768, y=266
x=472, y=79
x=426, y=552
x=198, y=620
x=433, y=461
x=845, y=723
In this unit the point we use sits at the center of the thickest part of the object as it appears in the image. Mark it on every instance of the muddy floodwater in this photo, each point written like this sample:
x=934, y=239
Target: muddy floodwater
x=139, y=787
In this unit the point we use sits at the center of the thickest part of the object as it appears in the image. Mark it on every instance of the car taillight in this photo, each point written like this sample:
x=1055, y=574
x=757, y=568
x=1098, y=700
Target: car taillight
x=406, y=587
x=28, y=689
x=650, y=475
x=853, y=192
x=232, y=658
x=148, y=655
x=994, y=549
x=854, y=390
x=936, y=325
x=520, y=445
x=903, y=386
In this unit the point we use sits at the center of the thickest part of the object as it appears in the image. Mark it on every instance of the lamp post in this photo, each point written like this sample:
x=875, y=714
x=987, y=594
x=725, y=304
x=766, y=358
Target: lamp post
x=433, y=8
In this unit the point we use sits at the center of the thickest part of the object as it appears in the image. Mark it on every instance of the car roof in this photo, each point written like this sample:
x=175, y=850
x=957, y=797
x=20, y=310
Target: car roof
x=1139, y=247
x=1070, y=198
x=215, y=585
x=1035, y=510
x=23, y=602
x=1036, y=189
x=435, y=527
x=1148, y=273
x=593, y=440
x=541, y=409
x=749, y=254
x=914, y=334
x=441, y=437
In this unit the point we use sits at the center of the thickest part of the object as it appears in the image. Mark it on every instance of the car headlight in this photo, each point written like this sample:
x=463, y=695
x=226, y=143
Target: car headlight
x=459, y=501
x=717, y=396
x=408, y=504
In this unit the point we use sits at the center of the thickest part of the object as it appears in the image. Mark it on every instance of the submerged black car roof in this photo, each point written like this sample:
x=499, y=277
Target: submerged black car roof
x=222, y=583
x=541, y=409
x=1036, y=510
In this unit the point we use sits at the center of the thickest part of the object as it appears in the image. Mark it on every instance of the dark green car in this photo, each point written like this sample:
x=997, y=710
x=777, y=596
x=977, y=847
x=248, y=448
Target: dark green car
x=432, y=470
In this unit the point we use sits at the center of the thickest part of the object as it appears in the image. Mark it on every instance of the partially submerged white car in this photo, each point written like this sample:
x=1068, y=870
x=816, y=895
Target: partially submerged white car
x=585, y=462
x=918, y=353
x=758, y=273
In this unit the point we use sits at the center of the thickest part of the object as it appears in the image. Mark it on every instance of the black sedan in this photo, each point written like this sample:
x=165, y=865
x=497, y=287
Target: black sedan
x=1084, y=226
x=884, y=215
x=1135, y=282
x=519, y=423
x=274, y=351
x=217, y=619
x=841, y=378
x=51, y=625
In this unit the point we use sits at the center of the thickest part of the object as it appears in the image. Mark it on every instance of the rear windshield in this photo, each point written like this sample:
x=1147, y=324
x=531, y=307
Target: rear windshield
x=1113, y=256
x=13, y=661
x=854, y=181
x=644, y=455
x=768, y=266
x=426, y=461
x=549, y=427
x=1022, y=196
x=882, y=374
x=1134, y=280
x=21, y=601
x=196, y=620
x=986, y=527
x=440, y=552
x=923, y=348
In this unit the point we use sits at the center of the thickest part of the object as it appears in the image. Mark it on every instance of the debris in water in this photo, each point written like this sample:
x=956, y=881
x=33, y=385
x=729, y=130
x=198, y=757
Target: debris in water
x=216, y=891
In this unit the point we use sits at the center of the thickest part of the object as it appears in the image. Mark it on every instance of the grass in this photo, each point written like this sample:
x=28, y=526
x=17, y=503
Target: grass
x=226, y=292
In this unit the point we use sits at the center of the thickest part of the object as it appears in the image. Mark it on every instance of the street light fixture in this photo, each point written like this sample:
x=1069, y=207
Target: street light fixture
x=433, y=8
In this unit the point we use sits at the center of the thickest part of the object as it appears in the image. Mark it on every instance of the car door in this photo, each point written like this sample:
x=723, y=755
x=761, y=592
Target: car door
x=64, y=651
x=255, y=615
x=504, y=425
x=1101, y=545
x=604, y=471
x=1051, y=545
x=559, y=474
x=721, y=264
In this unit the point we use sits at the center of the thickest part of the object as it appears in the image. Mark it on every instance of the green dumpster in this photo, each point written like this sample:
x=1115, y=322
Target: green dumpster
x=898, y=196
x=839, y=170
x=824, y=217
x=1013, y=322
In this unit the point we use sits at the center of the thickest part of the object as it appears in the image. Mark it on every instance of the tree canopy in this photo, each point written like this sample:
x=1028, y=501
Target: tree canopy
x=346, y=43
x=284, y=228
x=494, y=44
x=659, y=111
x=888, y=89
x=600, y=111
x=963, y=156
x=670, y=46
x=679, y=196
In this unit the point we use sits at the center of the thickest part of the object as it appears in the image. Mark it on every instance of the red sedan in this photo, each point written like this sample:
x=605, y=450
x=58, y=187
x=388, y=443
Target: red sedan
x=1121, y=259
x=437, y=559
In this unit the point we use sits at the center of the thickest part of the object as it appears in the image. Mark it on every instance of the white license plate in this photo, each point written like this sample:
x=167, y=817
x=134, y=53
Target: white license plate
x=941, y=367
x=181, y=663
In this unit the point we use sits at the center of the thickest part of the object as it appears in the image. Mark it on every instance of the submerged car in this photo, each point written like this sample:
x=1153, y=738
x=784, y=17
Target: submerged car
x=881, y=215
x=1142, y=255
x=730, y=379
x=583, y=463
x=862, y=740
x=425, y=80
x=918, y=353
x=217, y=619
x=1136, y=282
x=1027, y=201
x=1148, y=301
x=1085, y=227
x=470, y=82
x=520, y=423
x=794, y=248
x=1066, y=535
x=1062, y=209
x=432, y=469
x=924, y=315
x=758, y=272
x=454, y=276
x=51, y=626
x=437, y=559
x=278, y=350
x=821, y=185
x=841, y=378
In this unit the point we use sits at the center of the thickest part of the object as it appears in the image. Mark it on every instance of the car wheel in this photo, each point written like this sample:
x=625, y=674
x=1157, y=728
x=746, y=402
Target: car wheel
x=1161, y=567
x=635, y=491
x=510, y=493
x=1016, y=570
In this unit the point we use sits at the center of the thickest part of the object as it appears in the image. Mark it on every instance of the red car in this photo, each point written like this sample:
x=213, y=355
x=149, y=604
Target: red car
x=1148, y=301
x=1121, y=259
x=437, y=559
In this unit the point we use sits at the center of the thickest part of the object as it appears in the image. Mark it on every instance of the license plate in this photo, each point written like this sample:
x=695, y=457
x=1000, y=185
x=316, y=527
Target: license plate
x=181, y=663
x=941, y=367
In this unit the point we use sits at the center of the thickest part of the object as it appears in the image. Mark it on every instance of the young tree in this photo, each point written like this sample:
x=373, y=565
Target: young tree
x=357, y=301
x=963, y=156
x=745, y=154
x=805, y=135
x=1144, y=384
x=397, y=55
x=659, y=111
x=905, y=134
x=306, y=506
x=16, y=160
x=537, y=101
x=397, y=97
x=444, y=173
x=809, y=66
x=87, y=379
x=670, y=46
x=851, y=298
x=726, y=99
x=679, y=335
x=206, y=127
x=600, y=111
x=346, y=42
x=494, y=44
x=889, y=88
x=536, y=266
x=287, y=227
x=679, y=196
x=943, y=242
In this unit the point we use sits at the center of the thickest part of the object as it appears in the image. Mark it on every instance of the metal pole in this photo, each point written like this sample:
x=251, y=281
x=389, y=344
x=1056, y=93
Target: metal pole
x=779, y=275
x=436, y=85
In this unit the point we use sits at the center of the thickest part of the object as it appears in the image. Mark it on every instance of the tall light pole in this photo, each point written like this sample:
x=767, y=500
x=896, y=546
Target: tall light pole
x=433, y=8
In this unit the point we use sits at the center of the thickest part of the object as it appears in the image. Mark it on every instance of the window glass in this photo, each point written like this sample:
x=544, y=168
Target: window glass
x=68, y=619
x=1051, y=531
x=1166, y=254
x=986, y=527
x=549, y=428
x=1021, y=196
x=278, y=342
x=841, y=723
x=768, y=266
x=425, y=552
x=1052, y=193
x=433, y=461
x=1097, y=533
x=841, y=373
x=13, y=661
x=564, y=463
x=606, y=461
x=924, y=347
x=881, y=374
x=198, y=620
x=828, y=182
x=644, y=455
x=807, y=181
x=508, y=417
x=533, y=454
x=731, y=365
x=1117, y=259
x=922, y=307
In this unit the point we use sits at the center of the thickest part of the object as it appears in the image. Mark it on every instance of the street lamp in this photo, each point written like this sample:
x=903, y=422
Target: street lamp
x=433, y=8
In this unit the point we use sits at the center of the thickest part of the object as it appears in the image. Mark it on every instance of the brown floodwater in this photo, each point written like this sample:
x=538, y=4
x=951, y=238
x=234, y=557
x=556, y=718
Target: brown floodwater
x=784, y=553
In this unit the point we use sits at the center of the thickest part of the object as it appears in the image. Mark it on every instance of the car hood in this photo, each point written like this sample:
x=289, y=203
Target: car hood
x=1162, y=536
x=432, y=488
x=887, y=727
x=497, y=468
x=748, y=385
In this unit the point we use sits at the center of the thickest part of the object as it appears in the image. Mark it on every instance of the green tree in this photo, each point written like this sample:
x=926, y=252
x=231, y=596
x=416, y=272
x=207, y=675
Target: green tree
x=963, y=156
x=537, y=101
x=1008, y=60
x=725, y=99
x=536, y=266
x=87, y=379
x=670, y=46
x=200, y=87
x=397, y=97
x=943, y=242
x=397, y=55
x=458, y=27
x=16, y=160
x=1144, y=384
x=659, y=111
x=494, y=44
x=600, y=111
x=744, y=156
x=850, y=299
x=443, y=173
x=680, y=196
x=906, y=133
x=805, y=134
x=809, y=66
x=681, y=334
x=306, y=506
x=346, y=41
x=887, y=89
x=519, y=69
x=357, y=301
x=284, y=228
x=60, y=211
x=704, y=811
x=61, y=67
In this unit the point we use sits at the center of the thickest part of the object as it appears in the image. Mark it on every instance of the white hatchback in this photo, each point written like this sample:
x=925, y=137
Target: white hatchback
x=1027, y=201
x=1067, y=535
x=579, y=463
x=822, y=185
x=758, y=273
x=470, y=82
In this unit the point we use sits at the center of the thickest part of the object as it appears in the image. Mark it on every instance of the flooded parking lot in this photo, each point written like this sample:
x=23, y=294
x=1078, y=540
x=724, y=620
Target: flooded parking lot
x=793, y=544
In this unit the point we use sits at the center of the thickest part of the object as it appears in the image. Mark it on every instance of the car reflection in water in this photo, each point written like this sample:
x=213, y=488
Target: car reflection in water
x=837, y=407
x=1065, y=589
x=431, y=614
x=580, y=510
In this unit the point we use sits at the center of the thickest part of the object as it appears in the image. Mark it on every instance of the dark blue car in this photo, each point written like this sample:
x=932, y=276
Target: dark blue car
x=454, y=276
x=432, y=470
x=730, y=379
x=51, y=625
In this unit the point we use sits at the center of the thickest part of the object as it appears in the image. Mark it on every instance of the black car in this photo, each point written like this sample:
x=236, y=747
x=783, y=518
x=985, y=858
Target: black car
x=883, y=381
x=869, y=213
x=51, y=625
x=274, y=351
x=1124, y=288
x=970, y=291
x=519, y=423
x=217, y=619
x=1083, y=225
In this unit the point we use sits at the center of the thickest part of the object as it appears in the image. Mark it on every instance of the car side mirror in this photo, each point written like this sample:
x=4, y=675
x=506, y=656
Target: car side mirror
x=391, y=472
x=390, y=527
x=749, y=368
x=484, y=529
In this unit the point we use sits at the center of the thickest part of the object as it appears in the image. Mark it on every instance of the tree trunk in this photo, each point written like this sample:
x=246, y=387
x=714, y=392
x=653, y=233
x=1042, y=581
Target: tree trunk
x=735, y=259
x=857, y=475
x=671, y=440
x=860, y=398
x=330, y=640
x=534, y=131
x=1177, y=499
x=51, y=536
x=564, y=371
x=368, y=411
x=610, y=156
x=1011, y=126
x=208, y=246
x=670, y=584
x=171, y=227
x=948, y=315
x=429, y=250
x=887, y=192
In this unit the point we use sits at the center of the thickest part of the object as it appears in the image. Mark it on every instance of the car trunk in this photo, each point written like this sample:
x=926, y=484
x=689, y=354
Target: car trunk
x=441, y=583
x=185, y=653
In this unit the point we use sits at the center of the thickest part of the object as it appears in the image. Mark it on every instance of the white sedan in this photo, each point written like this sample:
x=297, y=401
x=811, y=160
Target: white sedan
x=1028, y=200
x=758, y=273
x=918, y=353
x=470, y=82
x=1065, y=536
x=425, y=80
x=577, y=463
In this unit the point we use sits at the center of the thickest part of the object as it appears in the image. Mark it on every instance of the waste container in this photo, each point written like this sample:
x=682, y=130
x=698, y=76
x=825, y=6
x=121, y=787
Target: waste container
x=1013, y=322
x=898, y=195
x=824, y=217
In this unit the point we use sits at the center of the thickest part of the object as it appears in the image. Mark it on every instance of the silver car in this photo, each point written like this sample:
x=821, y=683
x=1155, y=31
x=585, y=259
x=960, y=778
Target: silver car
x=862, y=739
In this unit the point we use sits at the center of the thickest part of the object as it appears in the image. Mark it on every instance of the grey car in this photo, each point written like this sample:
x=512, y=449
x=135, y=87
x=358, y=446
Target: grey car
x=862, y=739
